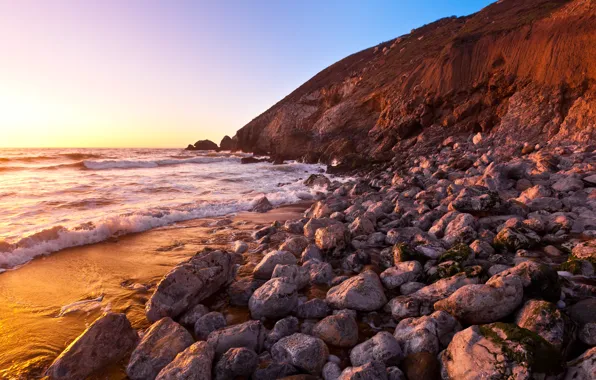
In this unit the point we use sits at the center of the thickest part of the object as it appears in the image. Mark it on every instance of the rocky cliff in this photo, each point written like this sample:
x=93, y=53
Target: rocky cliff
x=518, y=71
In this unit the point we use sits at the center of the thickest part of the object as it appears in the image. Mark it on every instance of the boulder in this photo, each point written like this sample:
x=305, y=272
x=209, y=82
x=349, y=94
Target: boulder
x=192, y=315
x=340, y=330
x=299, y=276
x=236, y=362
x=422, y=301
x=189, y=283
x=497, y=351
x=209, y=323
x=333, y=237
x=276, y=298
x=194, y=363
x=422, y=366
x=584, y=367
x=382, y=347
x=331, y=371
x=585, y=251
x=513, y=239
x=544, y=319
x=369, y=371
x=540, y=281
x=227, y=143
x=265, y=268
x=430, y=333
x=282, y=328
x=240, y=291
x=317, y=180
x=295, y=245
x=240, y=247
x=567, y=184
x=583, y=311
x=302, y=351
x=262, y=205
x=249, y=334
x=313, y=309
x=363, y=292
x=106, y=341
x=361, y=226
x=401, y=273
x=159, y=346
x=320, y=273
x=462, y=229
x=204, y=145
x=484, y=303
x=314, y=224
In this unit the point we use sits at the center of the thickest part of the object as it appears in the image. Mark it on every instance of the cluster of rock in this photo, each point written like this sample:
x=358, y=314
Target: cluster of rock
x=227, y=143
x=464, y=265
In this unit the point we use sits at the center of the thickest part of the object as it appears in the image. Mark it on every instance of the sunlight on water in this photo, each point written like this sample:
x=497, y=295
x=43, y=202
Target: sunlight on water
x=51, y=199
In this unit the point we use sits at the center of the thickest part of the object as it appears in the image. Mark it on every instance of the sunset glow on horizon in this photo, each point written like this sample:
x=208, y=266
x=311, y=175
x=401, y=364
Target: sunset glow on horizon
x=165, y=74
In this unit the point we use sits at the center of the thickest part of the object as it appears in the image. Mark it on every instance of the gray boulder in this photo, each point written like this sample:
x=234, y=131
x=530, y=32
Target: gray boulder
x=209, y=323
x=401, y=273
x=363, y=292
x=192, y=316
x=159, y=346
x=249, y=334
x=295, y=274
x=262, y=205
x=189, y=283
x=302, y=351
x=108, y=340
x=236, y=362
x=484, y=303
x=194, y=363
x=382, y=347
x=265, y=268
x=430, y=333
x=340, y=330
x=422, y=301
x=584, y=367
x=276, y=298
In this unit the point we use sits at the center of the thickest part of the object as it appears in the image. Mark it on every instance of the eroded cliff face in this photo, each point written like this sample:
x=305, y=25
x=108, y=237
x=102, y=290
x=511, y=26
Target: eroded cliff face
x=518, y=70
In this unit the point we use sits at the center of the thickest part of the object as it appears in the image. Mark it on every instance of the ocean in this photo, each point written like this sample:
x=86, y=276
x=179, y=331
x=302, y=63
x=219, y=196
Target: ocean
x=52, y=199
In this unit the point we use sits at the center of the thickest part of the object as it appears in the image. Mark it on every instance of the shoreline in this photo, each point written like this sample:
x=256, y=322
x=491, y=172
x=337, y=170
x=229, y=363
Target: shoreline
x=122, y=271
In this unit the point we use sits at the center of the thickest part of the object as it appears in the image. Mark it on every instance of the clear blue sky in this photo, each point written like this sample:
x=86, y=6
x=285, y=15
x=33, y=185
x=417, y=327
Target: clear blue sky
x=165, y=73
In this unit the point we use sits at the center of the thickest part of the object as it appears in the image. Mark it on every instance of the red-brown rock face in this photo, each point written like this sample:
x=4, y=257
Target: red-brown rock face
x=519, y=70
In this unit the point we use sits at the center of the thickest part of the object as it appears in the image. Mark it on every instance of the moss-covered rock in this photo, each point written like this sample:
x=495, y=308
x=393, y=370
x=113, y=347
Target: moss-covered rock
x=500, y=351
x=525, y=347
x=540, y=280
x=512, y=239
x=459, y=253
x=403, y=252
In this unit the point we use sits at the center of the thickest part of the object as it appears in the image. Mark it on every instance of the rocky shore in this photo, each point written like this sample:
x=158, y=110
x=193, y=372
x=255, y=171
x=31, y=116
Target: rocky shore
x=470, y=262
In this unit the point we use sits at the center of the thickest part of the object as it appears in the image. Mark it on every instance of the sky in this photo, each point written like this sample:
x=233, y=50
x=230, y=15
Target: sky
x=148, y=73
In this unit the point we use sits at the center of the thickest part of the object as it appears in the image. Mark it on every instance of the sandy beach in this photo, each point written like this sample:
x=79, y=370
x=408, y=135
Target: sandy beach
x=40, y=303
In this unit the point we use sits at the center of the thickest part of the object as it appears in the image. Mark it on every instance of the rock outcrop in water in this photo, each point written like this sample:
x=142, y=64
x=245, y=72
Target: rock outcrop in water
x=203, y=145
x=519, y=71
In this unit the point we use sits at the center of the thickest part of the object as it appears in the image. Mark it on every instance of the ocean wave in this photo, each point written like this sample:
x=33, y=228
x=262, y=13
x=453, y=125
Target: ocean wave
x=129, y=164
x=81, y=156
x=59, y=237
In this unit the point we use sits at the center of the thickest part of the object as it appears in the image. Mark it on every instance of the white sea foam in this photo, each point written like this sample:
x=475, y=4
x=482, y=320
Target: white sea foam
x=43, y=211
x=128, y=164
x=58, y=237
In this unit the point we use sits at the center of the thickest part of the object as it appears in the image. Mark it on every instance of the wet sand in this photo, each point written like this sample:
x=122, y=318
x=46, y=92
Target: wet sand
x=123, y=271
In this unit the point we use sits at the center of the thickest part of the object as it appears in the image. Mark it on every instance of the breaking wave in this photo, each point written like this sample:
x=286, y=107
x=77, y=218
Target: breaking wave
x=59, y=237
